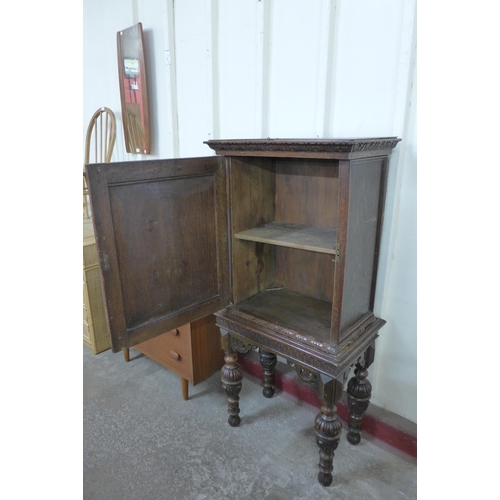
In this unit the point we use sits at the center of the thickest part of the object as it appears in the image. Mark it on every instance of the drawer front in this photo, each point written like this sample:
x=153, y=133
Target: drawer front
x=179, y=336
x=90, y=256
x=172, y=350
x=86, y=334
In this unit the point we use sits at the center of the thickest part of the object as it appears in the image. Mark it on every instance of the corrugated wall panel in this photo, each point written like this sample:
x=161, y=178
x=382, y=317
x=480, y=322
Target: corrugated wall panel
x=278, y=68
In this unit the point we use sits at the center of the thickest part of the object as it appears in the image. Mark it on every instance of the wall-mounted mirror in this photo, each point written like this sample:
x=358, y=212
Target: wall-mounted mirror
x=133, y=89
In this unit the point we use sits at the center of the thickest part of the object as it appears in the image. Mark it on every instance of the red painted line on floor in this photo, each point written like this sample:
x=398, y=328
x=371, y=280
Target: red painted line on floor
x=376, y=428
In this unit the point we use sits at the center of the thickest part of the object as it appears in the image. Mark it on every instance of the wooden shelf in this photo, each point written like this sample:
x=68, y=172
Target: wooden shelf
x=316, y=239
x=291, y=310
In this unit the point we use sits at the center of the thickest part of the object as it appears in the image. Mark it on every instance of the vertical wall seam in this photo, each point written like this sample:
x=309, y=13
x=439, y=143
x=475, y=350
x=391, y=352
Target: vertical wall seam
x=211, y=69
x=208, y=4
x=398, y=160
x=400, y=125
x=323, y=58
x=215, y=69
x=330, y=68
x=175, y=97
x=331, y=79
x=259, y=69
x=171, y=70
x=266, y=65
x=135, y=11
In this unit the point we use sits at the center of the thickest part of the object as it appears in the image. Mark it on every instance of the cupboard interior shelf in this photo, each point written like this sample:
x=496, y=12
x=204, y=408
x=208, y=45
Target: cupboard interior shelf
x=291, y=310
x=316, y=239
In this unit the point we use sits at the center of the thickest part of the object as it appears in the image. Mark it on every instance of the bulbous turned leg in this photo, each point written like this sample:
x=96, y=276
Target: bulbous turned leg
x=268, y=361
x=359, y=391
x=328, y=428
x=231, y=376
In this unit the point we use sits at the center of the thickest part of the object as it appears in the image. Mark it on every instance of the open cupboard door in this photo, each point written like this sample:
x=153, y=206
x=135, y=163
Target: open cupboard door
x=162, y=234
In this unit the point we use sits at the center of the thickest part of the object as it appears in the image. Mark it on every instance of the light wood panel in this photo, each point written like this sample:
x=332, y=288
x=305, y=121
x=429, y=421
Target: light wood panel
x=318, y=239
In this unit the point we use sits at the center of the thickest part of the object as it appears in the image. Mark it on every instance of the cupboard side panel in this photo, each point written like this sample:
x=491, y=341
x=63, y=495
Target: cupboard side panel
x=252, y=205
x=362, y=238
x=208, y=356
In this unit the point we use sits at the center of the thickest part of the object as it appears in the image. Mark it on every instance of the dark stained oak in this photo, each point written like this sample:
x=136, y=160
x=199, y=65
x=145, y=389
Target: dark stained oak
x=161, y=231
x=291, y=310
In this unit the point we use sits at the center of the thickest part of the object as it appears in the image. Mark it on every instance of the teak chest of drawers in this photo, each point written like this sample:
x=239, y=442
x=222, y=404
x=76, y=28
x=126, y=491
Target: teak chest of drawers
x=192, y=351
x=278, y=238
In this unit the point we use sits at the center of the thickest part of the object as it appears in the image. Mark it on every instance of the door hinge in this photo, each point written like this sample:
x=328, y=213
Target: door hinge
x=336, y=252
x=104, y=261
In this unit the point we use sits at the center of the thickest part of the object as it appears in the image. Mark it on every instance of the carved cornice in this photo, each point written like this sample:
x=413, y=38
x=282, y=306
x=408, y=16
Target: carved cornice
x=327, y=146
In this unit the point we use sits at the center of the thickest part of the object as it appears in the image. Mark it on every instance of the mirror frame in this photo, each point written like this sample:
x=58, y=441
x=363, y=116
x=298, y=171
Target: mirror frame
x=132, y=73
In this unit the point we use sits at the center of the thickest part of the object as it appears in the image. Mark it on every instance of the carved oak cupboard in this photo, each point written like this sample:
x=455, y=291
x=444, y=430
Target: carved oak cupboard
x=278, y=238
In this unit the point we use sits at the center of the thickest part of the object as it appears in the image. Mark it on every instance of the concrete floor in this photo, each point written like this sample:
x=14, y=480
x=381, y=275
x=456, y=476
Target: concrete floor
x=141, y=441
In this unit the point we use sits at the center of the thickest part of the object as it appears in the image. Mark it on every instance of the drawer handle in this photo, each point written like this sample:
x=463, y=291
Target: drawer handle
x=175, y=332
x=175, y=356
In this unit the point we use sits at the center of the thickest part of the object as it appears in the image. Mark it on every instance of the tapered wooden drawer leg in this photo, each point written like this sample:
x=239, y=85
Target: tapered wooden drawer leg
x=185, y=388
x=126, y=354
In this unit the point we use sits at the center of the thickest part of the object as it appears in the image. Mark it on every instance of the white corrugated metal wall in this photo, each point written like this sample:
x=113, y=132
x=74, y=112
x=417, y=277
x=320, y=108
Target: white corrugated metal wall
x=283, y=68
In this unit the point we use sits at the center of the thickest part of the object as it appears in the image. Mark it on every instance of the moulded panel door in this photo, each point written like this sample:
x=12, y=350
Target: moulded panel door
x=161, y=231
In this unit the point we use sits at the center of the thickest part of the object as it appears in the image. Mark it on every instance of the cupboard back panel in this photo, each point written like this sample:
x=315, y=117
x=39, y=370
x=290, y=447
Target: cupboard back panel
x=302, y=271
x=253, y=187
x=286, y=190
x=307, y=192
x=161, y=270
x=365, y=182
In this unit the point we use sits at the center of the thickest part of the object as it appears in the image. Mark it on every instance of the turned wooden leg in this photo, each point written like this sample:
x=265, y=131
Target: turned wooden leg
x=328, y=427
x=268, y=361
x=231, y=376
x=185, y=389
x=126, y=354
x=359, y=392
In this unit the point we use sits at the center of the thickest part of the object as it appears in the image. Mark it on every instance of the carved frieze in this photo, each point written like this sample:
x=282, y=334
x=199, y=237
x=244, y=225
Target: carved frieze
x=256, y=332
x=304, y=374
x=241, y=347
x=327, y=347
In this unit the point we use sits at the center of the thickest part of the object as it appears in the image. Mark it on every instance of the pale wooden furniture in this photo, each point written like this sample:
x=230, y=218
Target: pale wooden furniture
x=192, y=351
x=95, y=326
x=99, y=144
x=279, y=238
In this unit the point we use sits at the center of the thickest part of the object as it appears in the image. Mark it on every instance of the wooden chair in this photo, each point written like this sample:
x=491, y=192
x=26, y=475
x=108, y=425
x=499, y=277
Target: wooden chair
x=99, y=144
